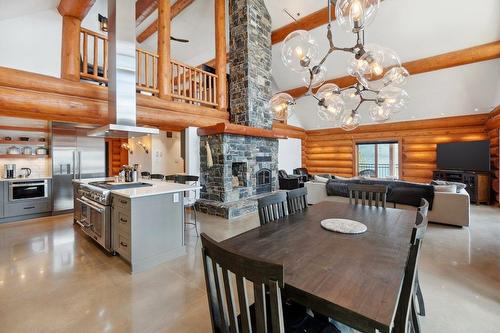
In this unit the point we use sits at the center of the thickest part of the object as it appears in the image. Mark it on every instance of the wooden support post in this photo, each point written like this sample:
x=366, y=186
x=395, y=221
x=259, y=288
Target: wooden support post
x=220, y=53
x=70, y=48
x=164, y=66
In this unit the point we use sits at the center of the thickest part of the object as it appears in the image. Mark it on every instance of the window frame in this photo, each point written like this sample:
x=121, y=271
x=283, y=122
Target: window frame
x=399, y=141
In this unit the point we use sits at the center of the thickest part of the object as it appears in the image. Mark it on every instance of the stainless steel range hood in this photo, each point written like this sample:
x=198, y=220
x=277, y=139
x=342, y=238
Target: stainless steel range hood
x=122, y=62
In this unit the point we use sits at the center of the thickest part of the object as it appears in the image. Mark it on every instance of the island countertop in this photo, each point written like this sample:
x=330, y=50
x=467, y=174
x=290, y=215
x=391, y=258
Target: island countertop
x=159, y=187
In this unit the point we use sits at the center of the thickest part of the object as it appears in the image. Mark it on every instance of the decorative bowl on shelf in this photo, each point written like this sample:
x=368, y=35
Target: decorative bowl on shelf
x=13, y=150
x=24, y=138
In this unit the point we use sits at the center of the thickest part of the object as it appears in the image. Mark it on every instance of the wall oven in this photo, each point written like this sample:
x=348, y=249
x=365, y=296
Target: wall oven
x=95, y=221
x=28, y=190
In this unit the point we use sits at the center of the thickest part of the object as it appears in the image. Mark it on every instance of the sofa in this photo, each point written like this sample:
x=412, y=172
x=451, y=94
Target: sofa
x=449, y=208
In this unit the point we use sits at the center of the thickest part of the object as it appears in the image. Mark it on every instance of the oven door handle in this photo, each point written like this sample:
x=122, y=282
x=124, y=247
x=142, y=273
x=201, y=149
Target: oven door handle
x=27, y=184
x=81, y=224
x=91, y=205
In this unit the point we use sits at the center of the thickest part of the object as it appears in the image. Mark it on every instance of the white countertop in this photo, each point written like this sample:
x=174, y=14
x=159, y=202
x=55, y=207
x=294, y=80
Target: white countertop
x=159, y=187
x=24, y=179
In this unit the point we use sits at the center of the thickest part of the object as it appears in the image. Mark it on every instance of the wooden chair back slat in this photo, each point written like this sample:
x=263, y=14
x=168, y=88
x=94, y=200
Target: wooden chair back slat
x=263, y=275
x=297, y=200
x=272, y=207
x=405, y=304
x=373, y=194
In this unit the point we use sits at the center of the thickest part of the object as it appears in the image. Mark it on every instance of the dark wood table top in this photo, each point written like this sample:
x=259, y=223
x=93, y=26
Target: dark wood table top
x=355, y=279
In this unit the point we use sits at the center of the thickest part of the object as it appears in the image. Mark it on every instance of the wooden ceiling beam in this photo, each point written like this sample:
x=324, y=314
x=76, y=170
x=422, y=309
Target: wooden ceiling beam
x=175, y=10
x=144, y=8
x=466, y=56
x=78, y=9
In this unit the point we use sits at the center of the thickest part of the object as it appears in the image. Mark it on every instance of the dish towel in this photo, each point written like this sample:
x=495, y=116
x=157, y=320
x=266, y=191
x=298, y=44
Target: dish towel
x=210, y=161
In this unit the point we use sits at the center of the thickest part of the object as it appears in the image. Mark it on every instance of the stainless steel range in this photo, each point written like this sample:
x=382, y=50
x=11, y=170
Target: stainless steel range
x=94, y=215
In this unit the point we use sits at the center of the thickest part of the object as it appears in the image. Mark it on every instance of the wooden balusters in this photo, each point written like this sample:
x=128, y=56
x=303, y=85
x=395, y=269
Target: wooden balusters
x=186, y=84
x=147, y=71
x=192, y=85
x=95, y=67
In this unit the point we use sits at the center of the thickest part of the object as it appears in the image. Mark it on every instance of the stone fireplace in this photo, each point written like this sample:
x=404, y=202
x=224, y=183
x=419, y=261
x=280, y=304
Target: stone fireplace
x=240, y=160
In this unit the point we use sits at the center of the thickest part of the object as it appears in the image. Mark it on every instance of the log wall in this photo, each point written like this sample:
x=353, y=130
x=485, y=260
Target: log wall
x=333, y=150
x=493, y=127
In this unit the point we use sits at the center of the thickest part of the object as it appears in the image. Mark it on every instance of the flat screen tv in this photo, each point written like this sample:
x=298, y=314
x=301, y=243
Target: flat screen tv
x=467, y=156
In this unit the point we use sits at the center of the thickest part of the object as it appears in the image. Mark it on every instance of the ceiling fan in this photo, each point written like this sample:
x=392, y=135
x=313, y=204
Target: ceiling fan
x=181, y=40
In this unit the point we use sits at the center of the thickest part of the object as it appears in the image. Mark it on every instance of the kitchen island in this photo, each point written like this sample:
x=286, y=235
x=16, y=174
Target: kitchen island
x=147, y=222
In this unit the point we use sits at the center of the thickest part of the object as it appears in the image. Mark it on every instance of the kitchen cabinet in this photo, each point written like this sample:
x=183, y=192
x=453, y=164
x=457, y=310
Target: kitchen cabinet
x=22, y=208
x=148, y=230
x=2, y=184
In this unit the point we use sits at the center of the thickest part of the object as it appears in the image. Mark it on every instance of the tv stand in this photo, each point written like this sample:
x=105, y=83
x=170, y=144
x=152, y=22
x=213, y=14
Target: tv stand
x=478, y=183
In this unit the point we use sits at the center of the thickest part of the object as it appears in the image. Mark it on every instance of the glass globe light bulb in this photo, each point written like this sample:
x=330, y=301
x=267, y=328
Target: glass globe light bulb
x=355, y=15
x=380, y=61
x=351, y=98
x=350, y=121
x=393, y=98
x=330, y=103
x=397, y=76
x=379, y=113
x=282, y=106
x=299, y=50
x=318, y=78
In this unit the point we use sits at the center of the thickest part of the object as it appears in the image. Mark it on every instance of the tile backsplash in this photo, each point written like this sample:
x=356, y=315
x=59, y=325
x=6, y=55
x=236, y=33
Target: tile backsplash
x=40, y=167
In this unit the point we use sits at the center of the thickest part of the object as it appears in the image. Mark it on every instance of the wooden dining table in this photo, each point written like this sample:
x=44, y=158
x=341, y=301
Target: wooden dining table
x=353, y=278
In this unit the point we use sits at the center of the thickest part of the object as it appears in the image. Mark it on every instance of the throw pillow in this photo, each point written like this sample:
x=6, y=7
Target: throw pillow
x=445, y=188
x=460, y=186
x=319, y=179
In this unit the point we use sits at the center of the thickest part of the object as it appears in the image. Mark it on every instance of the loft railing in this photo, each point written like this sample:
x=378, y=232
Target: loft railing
x=193, y=84
x=188, y=84
x=146, y=71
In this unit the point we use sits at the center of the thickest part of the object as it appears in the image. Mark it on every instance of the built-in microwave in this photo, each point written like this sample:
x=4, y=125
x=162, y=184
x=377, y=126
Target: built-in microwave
x=28, y=190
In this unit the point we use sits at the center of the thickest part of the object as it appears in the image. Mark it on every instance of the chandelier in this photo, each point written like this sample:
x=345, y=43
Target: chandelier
x=377, y=69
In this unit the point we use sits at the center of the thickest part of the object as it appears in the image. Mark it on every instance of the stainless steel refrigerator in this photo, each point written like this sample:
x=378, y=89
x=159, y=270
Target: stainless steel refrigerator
x=74, y=156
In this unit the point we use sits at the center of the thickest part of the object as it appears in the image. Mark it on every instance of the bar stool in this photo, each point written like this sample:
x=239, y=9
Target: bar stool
x=189, y=202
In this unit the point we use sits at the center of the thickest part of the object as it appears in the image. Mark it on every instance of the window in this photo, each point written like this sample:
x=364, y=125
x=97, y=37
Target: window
x=378, y=160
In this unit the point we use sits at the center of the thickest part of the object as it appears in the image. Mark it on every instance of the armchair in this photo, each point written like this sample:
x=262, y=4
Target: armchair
x=303, y=173
x=289, y=182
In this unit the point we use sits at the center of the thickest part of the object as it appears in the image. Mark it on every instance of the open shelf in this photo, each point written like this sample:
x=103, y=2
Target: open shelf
x=25, y=143
x=22, y=156
x=24, y=129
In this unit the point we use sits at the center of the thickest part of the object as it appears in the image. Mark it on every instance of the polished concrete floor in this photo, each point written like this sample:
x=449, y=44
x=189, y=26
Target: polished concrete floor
x=54, y=279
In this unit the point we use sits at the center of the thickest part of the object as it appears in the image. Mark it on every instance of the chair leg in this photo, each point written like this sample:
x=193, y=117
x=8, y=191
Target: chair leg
x=195, y=221
x=414, y=318
x=420, y=297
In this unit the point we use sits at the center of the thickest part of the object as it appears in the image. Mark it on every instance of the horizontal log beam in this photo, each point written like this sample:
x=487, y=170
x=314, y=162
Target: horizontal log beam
x=466, y=56
x=144, y=8
x=175, y=10
x=446, y=122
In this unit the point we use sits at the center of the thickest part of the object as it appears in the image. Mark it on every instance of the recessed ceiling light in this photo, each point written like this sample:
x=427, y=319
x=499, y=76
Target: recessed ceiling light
x=442, y=113
x=476, y=109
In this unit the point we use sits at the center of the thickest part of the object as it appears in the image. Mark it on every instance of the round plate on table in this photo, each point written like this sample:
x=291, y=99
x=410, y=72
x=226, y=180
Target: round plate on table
x=344, y=226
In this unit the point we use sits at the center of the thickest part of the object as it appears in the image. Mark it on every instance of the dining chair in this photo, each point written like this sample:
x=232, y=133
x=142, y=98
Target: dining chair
x=421, y=215
x=171, y=178
x=157, y=176
x=219, y=265
x=189, y=201
x=145, y=174
x=370, y=193
x=406, y=319
x=272, y=207
x=229, y=274
x=297, y=200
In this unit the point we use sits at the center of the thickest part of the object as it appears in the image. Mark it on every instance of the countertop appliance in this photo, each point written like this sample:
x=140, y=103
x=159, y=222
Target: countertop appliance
x=25, y=172
x=74, y=156
x=10, y=171
x=28, y=190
